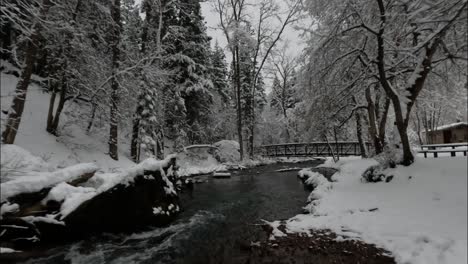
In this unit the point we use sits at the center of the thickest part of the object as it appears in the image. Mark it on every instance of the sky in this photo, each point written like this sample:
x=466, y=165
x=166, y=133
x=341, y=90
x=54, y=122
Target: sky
x=212, y=22
x=290, y=35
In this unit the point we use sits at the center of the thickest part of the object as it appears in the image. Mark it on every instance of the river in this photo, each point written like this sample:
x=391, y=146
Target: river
x=219, y=221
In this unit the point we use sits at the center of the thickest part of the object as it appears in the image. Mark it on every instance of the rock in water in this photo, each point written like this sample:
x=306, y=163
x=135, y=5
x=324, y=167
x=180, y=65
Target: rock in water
x=222, y=175
x=126, y=207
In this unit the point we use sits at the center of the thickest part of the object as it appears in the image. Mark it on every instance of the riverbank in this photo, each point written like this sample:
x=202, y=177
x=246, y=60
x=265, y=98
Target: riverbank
x=418, y=215
x=318, y=247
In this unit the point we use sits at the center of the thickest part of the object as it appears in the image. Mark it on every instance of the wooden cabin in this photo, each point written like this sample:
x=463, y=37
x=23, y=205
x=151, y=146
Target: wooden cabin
x=450, y=133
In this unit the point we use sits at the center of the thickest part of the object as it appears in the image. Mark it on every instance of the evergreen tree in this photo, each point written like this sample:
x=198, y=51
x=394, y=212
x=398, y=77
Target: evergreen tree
x=219, y=73
x=189, y=90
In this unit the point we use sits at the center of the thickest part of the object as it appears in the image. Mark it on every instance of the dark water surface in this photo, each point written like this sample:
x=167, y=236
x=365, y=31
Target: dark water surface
x=219, y=221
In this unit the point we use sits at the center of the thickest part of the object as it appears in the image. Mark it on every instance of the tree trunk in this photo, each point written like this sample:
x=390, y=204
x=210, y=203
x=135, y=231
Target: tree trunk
x=134, y=146
x=114, y=98
x=91, y=120
x=50, y=114
x=362, y=143
x=17, y=108
x=383, y=122
x=371, y=110
x=61, y=104
x=238, y=102
x=53, y=120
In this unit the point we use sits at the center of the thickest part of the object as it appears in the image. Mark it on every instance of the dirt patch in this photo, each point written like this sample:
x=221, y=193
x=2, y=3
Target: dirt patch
x=321, y=247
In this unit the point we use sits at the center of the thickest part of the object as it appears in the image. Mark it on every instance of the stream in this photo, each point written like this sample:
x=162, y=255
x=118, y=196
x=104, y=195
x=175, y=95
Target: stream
x=220, y=219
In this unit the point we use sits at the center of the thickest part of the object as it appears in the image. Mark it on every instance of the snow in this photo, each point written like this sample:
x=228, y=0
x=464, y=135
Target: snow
x=420, y=216
x=46, y=219
x=16, y=161
x=34, y=183
x=195, y=161
x=74, y=196
x=221, y=174
x=7, y=250
x=73, y=145
x=450, y=126
x=8, y=208
x=275, y=231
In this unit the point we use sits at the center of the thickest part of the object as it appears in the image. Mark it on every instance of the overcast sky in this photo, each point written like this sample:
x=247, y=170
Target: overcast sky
x=212, y=22
x=291, y=36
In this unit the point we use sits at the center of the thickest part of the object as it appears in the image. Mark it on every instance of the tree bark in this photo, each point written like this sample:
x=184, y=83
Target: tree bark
x=114, y=98
x=50, y=114
x=383, y=122
x=238, y=102
x=359, y=134
x=134, y=146
x=17, y=108
x=371, y=111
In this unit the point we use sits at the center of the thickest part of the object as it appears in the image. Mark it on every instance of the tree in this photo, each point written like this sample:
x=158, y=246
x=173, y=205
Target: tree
x=33, y=35
x=398, y=54
x=114, y=37
x=259, y=38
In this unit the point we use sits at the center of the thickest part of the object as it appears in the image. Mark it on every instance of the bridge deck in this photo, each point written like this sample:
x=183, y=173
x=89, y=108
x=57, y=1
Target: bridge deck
x=313, y=149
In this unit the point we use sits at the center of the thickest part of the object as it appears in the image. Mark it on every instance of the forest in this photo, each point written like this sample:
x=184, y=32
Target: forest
x=139, y=131
x=150, y=72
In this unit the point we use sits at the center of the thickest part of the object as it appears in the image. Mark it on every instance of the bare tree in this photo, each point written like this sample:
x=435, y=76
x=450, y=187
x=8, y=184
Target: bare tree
x=397, y=45
x=265, y=33
x=33, y=35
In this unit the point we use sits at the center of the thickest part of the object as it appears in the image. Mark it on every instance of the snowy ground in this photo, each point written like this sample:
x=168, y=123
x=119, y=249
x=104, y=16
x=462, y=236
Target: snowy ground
x=420, y=216
x=71, y=147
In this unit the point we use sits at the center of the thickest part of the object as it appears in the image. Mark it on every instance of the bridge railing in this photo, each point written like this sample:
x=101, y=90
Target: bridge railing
x=320, y=149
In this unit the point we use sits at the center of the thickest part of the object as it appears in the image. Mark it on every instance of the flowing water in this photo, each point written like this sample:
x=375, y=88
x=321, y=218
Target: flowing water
x=221, y=218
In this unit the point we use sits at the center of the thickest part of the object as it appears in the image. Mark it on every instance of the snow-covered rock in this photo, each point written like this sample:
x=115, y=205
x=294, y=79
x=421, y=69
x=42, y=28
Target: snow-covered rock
x=227, y=151
x=42, y=180
x=60, y=211
x=326, y=172
x=197, y=160
x=124, y=202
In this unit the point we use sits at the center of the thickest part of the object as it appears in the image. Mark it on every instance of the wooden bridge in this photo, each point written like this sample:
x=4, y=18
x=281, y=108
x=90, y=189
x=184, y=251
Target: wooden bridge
x=312, y=149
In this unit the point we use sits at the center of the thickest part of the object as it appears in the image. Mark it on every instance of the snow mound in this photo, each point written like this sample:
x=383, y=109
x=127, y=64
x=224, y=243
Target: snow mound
x=35, y=183
x=227, y=151
x=320, y=186
x=16, y=161
x=420, y=216
x=198, y=160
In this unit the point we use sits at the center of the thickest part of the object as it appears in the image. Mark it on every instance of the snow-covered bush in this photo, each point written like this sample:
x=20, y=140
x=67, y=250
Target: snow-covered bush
x=390, y=156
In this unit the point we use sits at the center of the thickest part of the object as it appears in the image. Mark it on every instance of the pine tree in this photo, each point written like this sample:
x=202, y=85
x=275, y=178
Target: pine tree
x=189, y=89
x=219, y=73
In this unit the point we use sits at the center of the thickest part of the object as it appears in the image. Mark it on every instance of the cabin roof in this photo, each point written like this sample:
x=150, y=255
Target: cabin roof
x=449, y=126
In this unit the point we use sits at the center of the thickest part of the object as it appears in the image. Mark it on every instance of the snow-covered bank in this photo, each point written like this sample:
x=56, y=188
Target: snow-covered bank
x=420, y=215
x=73, y=145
